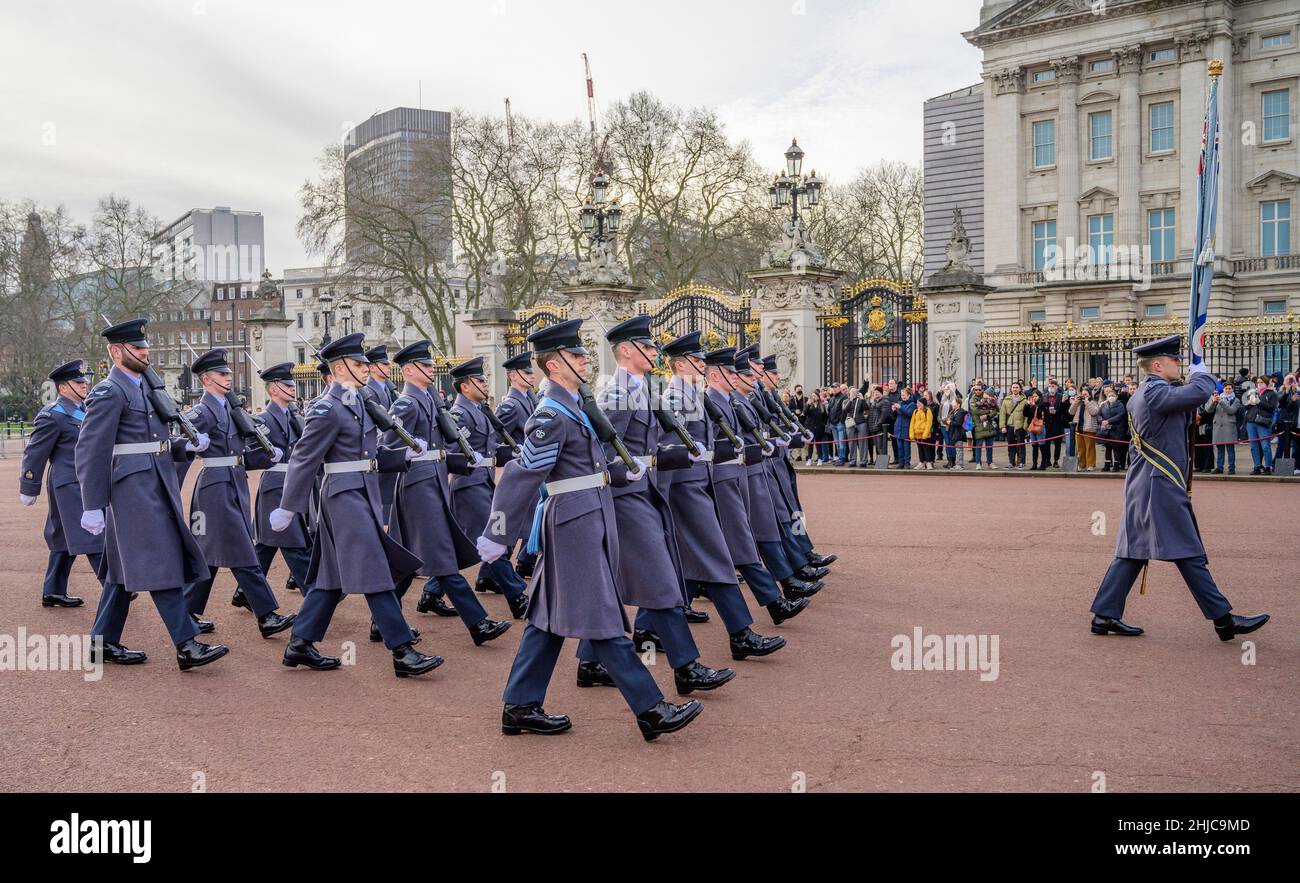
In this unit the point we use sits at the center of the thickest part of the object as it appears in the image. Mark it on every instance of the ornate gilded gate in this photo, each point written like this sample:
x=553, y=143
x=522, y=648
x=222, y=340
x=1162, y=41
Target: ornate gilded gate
x=876, y=331
x=724, y=319
x=535, y=318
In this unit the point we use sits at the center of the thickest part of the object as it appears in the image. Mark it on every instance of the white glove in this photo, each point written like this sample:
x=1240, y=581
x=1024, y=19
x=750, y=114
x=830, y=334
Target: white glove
x=480, y=461
x=807, y=435
x=640, y=473
x=768, y=449
x=781, y=441
x=26, y=500
x=92, y=521
x=276, y=455
x=489, y=550
x=200, y=446
x=420, y=447
x=281, y=519
x=694, y=458
x=1198, y=368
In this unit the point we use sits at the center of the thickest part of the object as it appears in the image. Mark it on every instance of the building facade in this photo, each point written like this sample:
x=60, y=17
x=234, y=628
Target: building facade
x=211, y=246
x=1092, y=129
x=391, y=156
x=953, y=168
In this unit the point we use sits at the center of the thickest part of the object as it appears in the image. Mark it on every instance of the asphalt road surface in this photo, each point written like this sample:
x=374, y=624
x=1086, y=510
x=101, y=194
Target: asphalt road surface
x=1175, y=710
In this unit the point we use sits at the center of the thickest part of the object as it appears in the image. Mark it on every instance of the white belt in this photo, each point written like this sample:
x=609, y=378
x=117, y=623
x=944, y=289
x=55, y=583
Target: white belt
x=278, y=467
x=581, y=483
x=210, y=462
x=352, y=466
x=735, y=462
x=438, y=454
x=153, y=447
x=705, y=457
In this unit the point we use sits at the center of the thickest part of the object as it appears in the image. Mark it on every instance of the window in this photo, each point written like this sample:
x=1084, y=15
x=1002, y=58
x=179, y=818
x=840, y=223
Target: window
x=1044, y=245
x=1037, y=364
x=298, y=295
x=365, y=318
x=1161, y=136
x=1037, y=316
x=1157, y=311
x=1101, y=238
x=1277, y=115
x=241, y=334
x=302, y=355
x=300, y=324
x=315, y=320
x=220, y=293
x=1160, y=230
x=1099, y=135
x=1101, y=66
x=1276, y=41
x=1044, y=144
x=205, y=337
x=388, y=318
x=1275, y=227
x=1089, y=312
x=1044, y=76
x=1277, y=359
x=1160, y=55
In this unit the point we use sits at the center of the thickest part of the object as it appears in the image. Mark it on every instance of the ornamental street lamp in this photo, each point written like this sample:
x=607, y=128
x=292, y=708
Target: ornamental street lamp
x=345, y=316
x=600, y=220
x=790, y=188
x=326, y=307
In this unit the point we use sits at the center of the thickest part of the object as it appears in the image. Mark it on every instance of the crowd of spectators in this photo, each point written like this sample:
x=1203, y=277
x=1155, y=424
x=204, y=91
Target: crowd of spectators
x=1034, y=424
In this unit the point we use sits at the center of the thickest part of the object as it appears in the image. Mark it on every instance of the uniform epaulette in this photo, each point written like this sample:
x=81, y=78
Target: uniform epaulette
x=103, y=388
x=322, y=406
x=506, y=407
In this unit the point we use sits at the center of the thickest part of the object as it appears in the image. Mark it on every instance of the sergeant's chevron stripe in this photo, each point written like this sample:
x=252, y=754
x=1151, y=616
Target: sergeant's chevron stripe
x=536, y=457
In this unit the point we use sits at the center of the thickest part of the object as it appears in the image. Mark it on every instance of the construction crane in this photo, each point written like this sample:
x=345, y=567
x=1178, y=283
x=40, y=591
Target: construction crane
x=597, y=149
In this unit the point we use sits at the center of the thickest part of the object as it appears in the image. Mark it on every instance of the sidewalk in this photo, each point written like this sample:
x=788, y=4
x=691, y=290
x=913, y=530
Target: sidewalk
x=1003, y=472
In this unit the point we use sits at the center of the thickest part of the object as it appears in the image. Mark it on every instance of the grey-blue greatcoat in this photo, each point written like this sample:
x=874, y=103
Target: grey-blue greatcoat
x=284, y=435
x=513, y=412
x=147, y=543
x=53, y=442
x=224, y=530
x=783, y=501
x=1158, y=519
x=762, y=508
x=649, y=571
x=351, y=548
x=422, y=520
x=386, y=395
x=574, y=590
x=731, y=492
x=471, y=495
x=703, y=551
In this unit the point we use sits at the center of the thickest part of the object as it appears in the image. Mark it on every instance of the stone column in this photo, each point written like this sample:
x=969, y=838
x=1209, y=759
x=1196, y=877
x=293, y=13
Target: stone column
x=1004, y=171
x=601, y=307
x=1069, y=148
x=268, y=344
x=788, y=300
x=490, y=326
x=953, y=328
x=1129, y=231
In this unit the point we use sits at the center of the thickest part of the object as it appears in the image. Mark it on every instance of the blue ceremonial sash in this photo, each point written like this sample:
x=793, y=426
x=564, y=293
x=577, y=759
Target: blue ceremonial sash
x=535, y=534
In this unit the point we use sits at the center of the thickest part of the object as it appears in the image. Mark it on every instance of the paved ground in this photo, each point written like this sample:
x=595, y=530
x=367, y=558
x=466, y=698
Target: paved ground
x=1174, y=710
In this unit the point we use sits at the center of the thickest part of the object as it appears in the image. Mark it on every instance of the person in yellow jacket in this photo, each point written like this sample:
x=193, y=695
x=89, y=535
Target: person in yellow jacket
x=921, y=428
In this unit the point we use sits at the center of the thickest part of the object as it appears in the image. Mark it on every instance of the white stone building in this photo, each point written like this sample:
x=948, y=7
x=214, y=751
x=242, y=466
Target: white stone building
x=1092, y=134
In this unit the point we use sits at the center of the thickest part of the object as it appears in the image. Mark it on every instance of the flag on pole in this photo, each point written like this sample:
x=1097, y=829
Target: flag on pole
x=1207, y=205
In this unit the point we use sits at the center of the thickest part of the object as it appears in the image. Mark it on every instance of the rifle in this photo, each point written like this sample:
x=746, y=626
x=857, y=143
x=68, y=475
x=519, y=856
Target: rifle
x=447, y=423
x=605, y=430
x=764, y=414
x=384, y=421
x=246, y=426
x=166, y=406
x=715, y=414
x=295, y=417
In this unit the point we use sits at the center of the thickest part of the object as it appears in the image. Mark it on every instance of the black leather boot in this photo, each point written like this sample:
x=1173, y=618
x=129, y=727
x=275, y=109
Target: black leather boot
x=795, y=588
x=593, y=674
x=518, y=605
x=432, y=603
x=205, y=627
x=488, y=630
x=239, y=599
x=747, y=642
x=408, y=662
x=273, y=623
x=300, y=652
x=811, y=574
x=695, y=617
x=667, y=718
x=532, y=718
x=785, y=609
x=192, y=654
x=64, y=600
x=377, y=637
x=1104, y=625
x=822, y=560
x=119, y=655
x=693, y=676
x=641, y=637
x=1231, y=625
x=485, y=584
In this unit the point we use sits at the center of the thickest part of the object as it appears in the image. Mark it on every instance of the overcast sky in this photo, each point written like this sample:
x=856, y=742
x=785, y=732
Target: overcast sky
x=195, y=103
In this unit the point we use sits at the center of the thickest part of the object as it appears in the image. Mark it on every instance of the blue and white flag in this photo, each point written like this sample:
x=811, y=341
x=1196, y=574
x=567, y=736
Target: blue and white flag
x=1207, y=210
